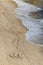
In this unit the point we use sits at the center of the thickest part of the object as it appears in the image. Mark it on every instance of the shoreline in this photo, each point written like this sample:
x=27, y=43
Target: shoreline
x=14, y=48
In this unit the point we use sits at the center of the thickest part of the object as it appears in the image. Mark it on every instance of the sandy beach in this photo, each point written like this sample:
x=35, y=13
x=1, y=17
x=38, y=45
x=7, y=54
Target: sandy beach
x=14, y=48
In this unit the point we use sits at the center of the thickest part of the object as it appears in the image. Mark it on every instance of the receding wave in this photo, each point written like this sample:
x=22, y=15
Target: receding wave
x=35, y=26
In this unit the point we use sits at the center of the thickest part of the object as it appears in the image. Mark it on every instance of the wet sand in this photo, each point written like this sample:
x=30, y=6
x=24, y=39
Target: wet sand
x=14, y=49
x=38, y=3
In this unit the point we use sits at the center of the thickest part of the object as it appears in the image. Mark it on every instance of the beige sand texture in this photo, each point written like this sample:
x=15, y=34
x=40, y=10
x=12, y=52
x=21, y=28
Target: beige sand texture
x=14, y=49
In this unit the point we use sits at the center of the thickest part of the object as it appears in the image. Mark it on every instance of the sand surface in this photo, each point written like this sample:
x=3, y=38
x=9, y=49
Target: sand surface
x=14, y=49
x=38, y=3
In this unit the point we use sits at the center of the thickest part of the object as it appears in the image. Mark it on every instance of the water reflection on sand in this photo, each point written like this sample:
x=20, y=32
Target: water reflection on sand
x=35, y=33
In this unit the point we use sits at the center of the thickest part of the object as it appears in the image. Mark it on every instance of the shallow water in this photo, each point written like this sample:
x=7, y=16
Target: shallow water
x=35, y=26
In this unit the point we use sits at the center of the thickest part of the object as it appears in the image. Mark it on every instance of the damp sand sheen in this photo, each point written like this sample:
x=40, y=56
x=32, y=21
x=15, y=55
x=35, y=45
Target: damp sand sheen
x=14, y=48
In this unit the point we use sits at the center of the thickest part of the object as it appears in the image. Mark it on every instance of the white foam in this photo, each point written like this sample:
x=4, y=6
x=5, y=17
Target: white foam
x=35, y=33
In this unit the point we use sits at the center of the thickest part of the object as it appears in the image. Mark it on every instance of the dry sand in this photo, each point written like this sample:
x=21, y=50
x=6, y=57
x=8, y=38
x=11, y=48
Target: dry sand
x=14, y=49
